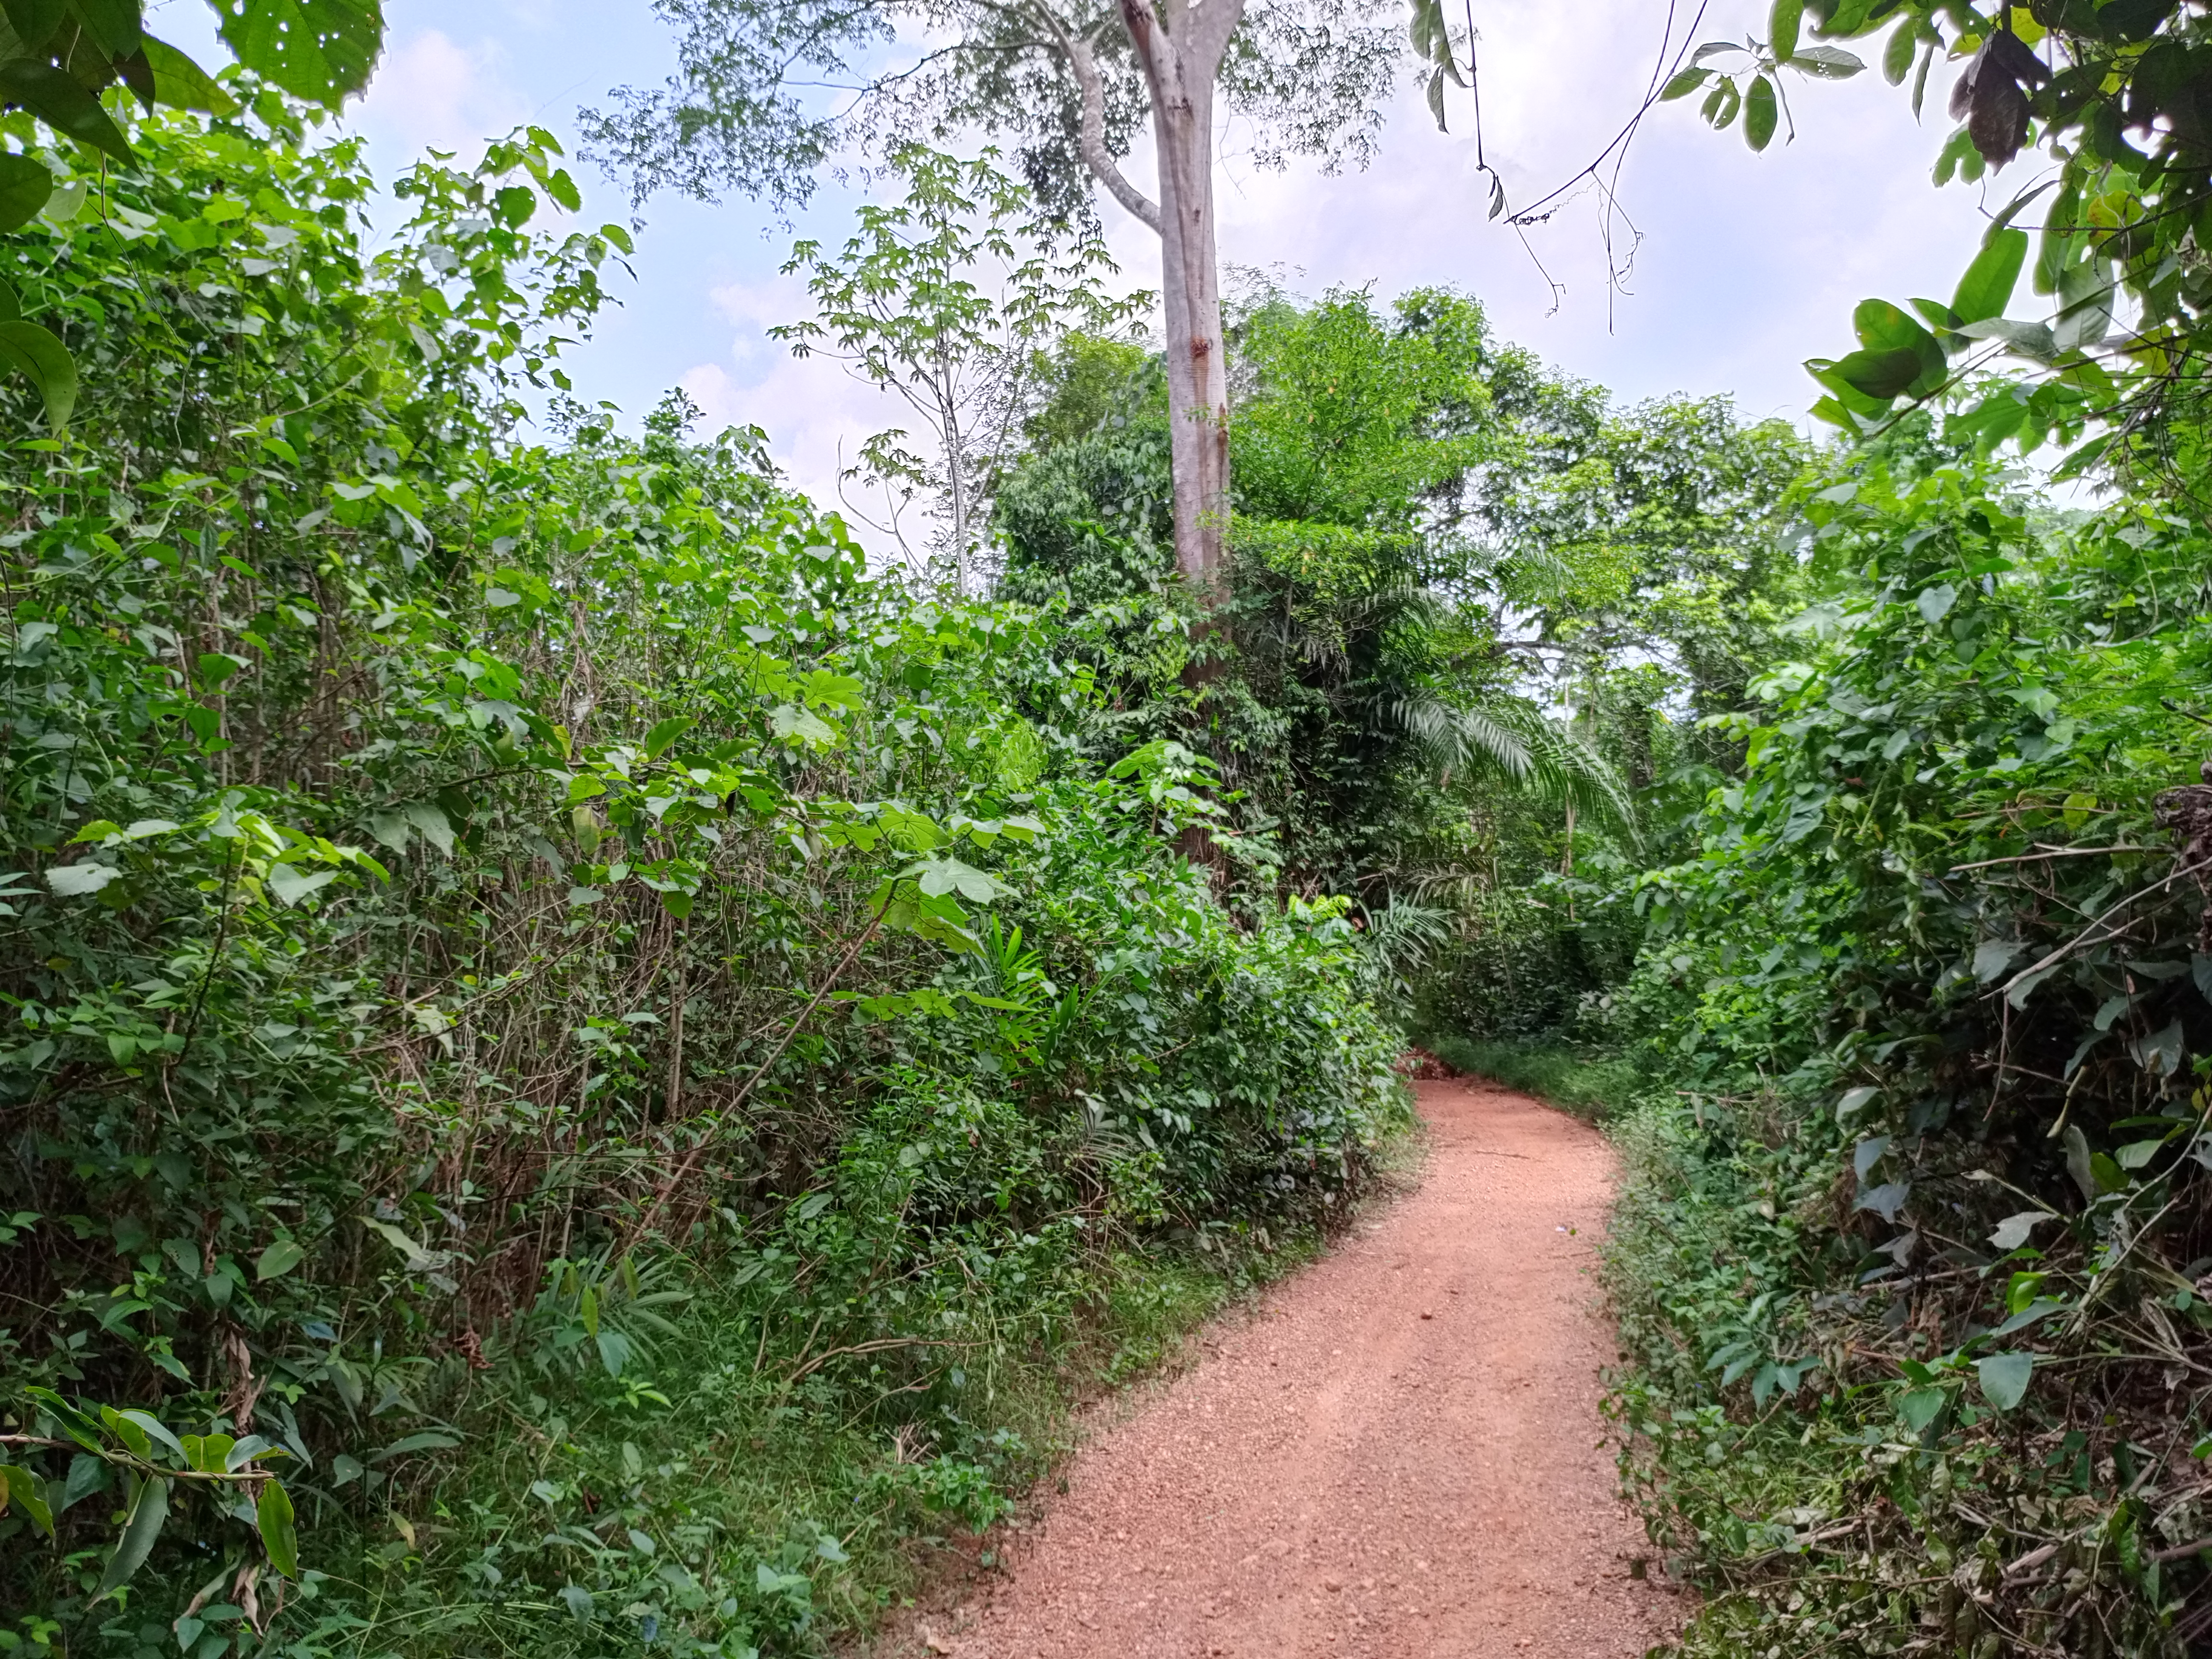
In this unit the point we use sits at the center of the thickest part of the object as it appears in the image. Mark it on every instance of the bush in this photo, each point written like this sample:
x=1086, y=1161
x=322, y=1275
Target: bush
x=1911, y=1272
x=601, y=1062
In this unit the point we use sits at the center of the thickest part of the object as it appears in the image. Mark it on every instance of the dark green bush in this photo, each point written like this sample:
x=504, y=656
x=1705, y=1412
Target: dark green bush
x=640, y=1058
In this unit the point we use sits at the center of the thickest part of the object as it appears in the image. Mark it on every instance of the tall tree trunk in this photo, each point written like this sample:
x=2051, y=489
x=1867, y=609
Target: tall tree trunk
x=1180, y=45
x=1190, y=296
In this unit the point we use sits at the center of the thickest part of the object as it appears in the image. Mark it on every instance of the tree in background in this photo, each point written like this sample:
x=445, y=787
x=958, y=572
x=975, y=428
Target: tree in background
x=1433, y=533
x=1072, y=83
x=907, y=305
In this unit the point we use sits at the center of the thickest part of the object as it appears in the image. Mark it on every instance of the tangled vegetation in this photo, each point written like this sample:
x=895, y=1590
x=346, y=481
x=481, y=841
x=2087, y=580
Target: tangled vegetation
x=1922, y=1352
x=590, y=1064
x=583, y=1068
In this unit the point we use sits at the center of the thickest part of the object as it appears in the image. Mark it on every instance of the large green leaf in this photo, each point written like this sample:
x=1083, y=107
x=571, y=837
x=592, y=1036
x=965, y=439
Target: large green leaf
x=1897, y=56
x=278, y=1259
x=1986, y=288
x=280, y=1536
x=26, y=185
x=46, y=362
x=1782, y=24
x=72, y=1422
x=1827, y=63
x=1885, y=329
x=34, y=20
x=1761, y=110
x=56, y=98
x=2004, y=1378
x=319, y=50
x=1880, y=375
x=182, y=84
x=114, y=24
x=20, y=1486
x=140, y=1528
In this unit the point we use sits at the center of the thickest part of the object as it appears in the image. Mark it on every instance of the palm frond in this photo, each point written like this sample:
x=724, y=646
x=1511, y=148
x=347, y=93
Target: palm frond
x=1402, y=939
x=1512, y=737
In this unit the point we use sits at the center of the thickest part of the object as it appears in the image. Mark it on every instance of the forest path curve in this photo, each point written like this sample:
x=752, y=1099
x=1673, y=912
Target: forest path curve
x=1397, y=1457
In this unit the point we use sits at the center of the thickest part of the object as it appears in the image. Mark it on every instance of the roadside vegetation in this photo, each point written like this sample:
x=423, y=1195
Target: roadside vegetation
x=596, y=1051
x=1912, y=965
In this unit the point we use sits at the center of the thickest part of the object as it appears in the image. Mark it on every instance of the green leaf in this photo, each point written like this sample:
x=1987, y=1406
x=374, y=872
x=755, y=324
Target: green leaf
x=2082, y=459
x=26, y=184
x=1885, y=332
x=1436, y=100
x=59, y=99
x=429, y=1440
x=1879, y=375
x=1683, y=84
x=1920, y=1407
x=1782, y=24
x=272, y=1514
x=418, y=1259
x=153, y=1429
x=1827, y=62
x=113, y=24
x=278, y=1259
x=21, y=1486
x=2029, y=339
x=319, y=50
x=34, y=20
x=2004, y=1378
x=72, y=1422
x=46, y=362
x=666, y=732
x=77, y=880
x=431, y=820
x=1986, y=288
x=1897, y=56
x=180, y=84
x=1721, y=105
x=140, y=1528
x=1761, y=110
x=1935, y=603
x=293, y=883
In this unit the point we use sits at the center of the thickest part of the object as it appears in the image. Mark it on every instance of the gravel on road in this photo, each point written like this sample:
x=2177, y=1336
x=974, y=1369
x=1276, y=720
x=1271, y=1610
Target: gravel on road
x=1398, y=1455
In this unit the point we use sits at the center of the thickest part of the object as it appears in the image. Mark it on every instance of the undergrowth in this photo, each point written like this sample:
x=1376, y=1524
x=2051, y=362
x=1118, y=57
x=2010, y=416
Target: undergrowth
x=1911, y=1259
x=582, y=1065
x=732, y=1489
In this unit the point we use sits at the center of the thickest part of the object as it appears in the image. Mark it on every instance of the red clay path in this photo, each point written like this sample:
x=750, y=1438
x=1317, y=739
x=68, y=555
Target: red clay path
x=1397, y=1457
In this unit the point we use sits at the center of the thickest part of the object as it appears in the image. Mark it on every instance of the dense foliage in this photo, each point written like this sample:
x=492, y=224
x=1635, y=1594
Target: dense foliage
x=1911, y=1270
x=1468, y=593
x=580, y=1064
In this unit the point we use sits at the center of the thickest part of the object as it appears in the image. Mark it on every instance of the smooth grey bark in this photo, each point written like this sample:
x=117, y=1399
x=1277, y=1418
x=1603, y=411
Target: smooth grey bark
x=1180, y=45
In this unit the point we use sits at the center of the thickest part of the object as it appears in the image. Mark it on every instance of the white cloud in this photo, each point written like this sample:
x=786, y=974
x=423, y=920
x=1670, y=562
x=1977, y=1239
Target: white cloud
x=433, y=91
x=816, y=414
x=1748, y=265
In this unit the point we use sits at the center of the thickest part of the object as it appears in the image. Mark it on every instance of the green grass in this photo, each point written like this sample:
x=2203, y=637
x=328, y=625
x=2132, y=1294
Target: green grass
x=1588, y=1082
x=741, y=1509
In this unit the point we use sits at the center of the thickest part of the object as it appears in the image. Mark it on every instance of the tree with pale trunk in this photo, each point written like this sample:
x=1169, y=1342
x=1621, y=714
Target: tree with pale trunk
x=770, y=92
x=949, y=300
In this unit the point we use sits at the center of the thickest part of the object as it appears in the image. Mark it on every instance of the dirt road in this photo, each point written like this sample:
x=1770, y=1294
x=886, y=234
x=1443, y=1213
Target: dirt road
x=1397, y=1458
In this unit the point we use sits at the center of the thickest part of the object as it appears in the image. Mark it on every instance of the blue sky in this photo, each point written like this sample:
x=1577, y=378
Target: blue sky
x=1747, y=264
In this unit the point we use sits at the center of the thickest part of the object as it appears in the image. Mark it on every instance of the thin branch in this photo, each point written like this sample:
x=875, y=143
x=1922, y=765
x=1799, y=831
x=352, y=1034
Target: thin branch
x=2042, y=852
x=1092, y=135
